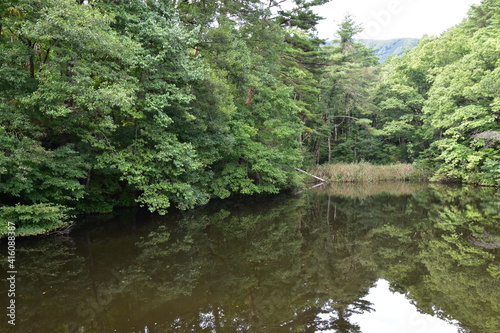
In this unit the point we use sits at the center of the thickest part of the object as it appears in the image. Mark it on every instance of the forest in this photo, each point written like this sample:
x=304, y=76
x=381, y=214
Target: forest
x=167, y=104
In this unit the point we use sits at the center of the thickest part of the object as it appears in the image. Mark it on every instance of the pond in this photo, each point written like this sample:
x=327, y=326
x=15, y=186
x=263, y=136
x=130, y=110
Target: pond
x=381, y=258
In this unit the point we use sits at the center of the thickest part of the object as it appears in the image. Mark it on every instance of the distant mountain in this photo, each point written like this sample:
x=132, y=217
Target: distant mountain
x=385, y=48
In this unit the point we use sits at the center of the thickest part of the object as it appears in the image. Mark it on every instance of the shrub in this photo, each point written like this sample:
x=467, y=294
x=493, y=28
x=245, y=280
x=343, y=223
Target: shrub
x=34, y=219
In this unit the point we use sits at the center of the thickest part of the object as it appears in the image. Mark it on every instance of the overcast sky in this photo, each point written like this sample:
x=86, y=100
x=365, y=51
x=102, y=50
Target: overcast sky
x=386, y=19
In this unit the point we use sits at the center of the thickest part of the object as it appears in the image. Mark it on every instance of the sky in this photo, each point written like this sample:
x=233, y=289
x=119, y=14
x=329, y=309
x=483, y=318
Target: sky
x=387, y=19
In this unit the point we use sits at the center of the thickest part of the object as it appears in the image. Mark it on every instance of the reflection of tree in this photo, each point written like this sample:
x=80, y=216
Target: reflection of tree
x=441, y=269
x=268, y=271
x=300, y=264
x=48, y=271
x=266, y=267
x=437, y=247
x=318, y=319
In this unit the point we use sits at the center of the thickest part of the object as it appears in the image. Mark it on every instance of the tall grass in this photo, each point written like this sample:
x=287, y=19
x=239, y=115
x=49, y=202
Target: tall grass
x=366, y=172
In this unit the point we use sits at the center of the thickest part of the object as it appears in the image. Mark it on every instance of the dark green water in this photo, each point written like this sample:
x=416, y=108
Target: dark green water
x=356, y=259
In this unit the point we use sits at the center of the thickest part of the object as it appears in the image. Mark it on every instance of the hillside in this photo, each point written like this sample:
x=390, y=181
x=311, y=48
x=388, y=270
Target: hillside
x=385, y=48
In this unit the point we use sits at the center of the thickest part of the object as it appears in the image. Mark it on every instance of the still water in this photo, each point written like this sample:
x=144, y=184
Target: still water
x=380, y=258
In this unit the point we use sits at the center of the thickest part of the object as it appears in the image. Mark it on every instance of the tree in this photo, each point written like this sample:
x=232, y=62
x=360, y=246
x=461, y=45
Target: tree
x=61, y=84
x=347, y=101
x=436, y=100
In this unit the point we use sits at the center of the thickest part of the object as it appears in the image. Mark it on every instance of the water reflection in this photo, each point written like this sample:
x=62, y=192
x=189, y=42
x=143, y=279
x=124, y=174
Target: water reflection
x=284, y=264
x=395, y=314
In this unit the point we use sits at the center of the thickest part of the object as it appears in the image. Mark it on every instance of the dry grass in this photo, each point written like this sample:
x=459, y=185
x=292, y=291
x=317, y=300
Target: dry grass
x=366, y=172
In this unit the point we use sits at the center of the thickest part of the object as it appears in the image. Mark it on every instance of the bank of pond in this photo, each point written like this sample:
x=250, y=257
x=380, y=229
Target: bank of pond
x=342, y=258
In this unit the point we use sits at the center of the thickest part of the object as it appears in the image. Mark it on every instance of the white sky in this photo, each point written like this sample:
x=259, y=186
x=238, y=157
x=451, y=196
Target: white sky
x=386, y=19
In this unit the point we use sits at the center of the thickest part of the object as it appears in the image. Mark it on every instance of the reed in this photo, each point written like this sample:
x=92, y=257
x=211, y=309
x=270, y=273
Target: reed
x=366, y=172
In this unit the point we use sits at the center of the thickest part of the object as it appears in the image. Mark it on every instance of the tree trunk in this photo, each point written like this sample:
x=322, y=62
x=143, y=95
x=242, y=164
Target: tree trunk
x=307, y=173
x=329, y=149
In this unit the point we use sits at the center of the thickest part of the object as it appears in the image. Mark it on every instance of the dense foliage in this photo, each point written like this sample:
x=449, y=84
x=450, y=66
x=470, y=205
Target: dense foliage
x=439, y=103
x=170, y=103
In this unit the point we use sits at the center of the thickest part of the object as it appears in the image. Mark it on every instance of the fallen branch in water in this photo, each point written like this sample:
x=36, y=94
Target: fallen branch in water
x=307, y=173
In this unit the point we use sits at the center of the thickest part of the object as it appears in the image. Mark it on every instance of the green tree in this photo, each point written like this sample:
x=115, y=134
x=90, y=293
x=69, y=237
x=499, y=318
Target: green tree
x=88, y=106
x=61, y=84
x=439, y=102
x=347, y=106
